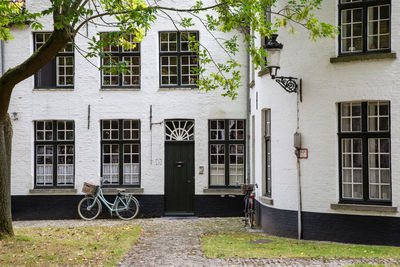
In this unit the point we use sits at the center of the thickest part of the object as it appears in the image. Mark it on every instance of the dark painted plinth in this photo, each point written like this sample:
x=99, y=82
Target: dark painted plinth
x=65, y=207
x=357, y=229
x=217, y=206
x=377, y=230
x=278, y=222
x=58, y=207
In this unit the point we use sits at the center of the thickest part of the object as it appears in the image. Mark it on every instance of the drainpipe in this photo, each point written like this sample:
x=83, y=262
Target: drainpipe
x=299, y=224
x=299, y=204
x=248, y=111
x=2, y=56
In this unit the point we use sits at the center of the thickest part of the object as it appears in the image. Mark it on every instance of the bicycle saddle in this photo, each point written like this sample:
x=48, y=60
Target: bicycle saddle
x=120, y=190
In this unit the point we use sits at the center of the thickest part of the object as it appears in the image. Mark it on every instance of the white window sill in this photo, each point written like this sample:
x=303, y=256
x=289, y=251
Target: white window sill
x=53, y=191
x=358, y=207
x=266, y=200
x=114, y=191
x=178, y=88
x=119, y=89
x=223, y=191
x=62, y=89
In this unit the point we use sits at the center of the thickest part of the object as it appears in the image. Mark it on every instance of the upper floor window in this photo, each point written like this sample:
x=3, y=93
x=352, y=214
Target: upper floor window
x=120, y=152
x=177, y=59
x=227, y=152
x=59, y=72
x=364, y=149
x=365, y=26
x=54, y=153
x=116, y=55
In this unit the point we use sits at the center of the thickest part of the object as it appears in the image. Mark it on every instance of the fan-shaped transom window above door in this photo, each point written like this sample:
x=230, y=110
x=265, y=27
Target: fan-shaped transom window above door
x=179, y=130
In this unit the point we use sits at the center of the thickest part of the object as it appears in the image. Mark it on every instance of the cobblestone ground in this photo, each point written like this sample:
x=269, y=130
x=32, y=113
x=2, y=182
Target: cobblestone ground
x=176, y=242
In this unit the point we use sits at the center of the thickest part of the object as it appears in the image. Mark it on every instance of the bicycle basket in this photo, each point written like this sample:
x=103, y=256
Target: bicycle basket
x=247, y=188
x=89, y=188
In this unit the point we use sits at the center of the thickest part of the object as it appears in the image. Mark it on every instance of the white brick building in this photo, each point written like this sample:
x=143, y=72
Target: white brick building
x=348, y=119
x=73, y=124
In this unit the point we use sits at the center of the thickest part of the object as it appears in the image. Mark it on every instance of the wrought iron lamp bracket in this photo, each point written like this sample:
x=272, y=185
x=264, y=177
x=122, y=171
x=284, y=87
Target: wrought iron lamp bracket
x=287, y=83
x=290, y=84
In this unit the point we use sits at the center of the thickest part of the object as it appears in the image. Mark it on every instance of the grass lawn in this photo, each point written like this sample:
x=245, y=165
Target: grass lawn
x=225, y=245
x=94, y=245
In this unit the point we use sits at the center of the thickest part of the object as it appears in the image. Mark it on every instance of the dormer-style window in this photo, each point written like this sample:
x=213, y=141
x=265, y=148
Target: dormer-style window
x=364, y=26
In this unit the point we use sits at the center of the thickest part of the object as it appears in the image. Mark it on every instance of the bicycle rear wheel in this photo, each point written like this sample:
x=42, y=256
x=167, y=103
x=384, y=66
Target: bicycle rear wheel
x=128, y=208
x=89, y=208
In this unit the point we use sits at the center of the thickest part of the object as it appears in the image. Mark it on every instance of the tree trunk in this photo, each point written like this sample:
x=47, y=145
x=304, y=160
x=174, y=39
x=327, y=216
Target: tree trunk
x=6, y=228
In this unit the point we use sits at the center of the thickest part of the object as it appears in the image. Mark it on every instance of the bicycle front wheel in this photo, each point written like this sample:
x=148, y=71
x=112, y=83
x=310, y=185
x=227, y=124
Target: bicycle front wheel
x=89, y=208
x=128, y=208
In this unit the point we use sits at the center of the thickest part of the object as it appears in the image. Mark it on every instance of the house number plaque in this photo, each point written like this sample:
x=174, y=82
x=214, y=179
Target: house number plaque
x=303, y=153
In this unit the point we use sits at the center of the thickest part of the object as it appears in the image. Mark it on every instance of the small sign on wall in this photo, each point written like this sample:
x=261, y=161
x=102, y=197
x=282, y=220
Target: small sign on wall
x=303, y=153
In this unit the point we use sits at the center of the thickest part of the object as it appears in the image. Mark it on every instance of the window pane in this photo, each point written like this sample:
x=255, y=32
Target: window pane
x=169, y=74
x=44, y=165
x=236, y=129
x=351, y=117
x=131, y=129
x=65, y=165
x=217, y=164
x=110, y=163
x=378, y=27
x=236, y=164
x=351, y=168
x=217, y=130
x=168, y=41
x=352, y=25
x=110, y=129
x=131, y=164
x=378, y=121
x=132, y=76
x=379, y=168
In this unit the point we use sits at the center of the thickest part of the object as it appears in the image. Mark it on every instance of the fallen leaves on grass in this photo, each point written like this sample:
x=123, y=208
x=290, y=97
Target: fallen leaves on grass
x=92, y=245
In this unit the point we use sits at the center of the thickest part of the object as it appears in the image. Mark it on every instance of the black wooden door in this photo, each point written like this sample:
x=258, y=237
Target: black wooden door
x=179, y=178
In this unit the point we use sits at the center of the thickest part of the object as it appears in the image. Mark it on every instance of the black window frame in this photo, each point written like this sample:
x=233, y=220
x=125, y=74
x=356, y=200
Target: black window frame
x=364, y=4
x=120, y=142
x=53, y=66
x=226, y=142
x=55, y=143
x=178, y=53
x=120, y=54
x=365, y=135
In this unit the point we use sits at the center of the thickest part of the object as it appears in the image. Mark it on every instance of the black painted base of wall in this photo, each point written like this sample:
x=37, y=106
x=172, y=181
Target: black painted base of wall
x=217, y=206
x=65, y=207
x=358, y=229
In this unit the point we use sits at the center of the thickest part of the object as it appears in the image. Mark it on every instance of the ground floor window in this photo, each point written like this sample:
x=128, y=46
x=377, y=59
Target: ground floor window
x=226, y=152
x=54, y=153
x=120, y=152
x=364, y=148
x=267, y=152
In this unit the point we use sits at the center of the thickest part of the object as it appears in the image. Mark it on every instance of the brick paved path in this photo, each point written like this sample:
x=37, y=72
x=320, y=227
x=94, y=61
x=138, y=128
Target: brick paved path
x=176, y=242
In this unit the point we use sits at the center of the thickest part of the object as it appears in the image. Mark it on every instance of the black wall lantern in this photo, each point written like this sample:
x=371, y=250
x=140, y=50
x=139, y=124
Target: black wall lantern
x=273, y=49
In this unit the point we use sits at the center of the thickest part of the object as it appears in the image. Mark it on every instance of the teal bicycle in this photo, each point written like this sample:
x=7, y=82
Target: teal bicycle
x=126, y=206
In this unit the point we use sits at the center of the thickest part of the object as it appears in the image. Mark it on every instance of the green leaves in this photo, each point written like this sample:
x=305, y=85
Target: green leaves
x=243, y=21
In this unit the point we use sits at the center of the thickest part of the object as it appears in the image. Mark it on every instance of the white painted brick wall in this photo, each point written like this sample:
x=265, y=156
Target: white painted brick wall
x=114, y=104
x=324, y=85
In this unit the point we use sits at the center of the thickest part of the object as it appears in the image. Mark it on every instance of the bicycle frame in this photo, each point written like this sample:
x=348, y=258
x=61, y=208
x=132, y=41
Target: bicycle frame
x=112, y=206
